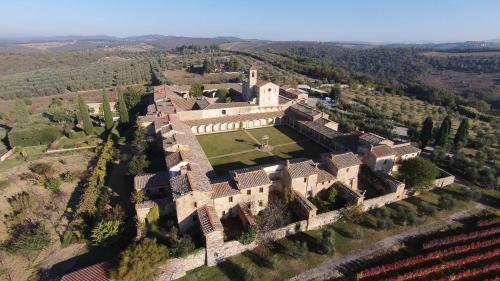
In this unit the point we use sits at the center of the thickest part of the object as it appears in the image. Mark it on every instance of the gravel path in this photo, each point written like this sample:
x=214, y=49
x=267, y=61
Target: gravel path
x=330, y=268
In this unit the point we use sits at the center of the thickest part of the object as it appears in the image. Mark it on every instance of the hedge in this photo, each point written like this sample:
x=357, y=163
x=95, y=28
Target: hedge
x=34, y=136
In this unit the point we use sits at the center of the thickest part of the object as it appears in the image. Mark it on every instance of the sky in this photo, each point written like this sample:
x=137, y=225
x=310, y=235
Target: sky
x=309, y=20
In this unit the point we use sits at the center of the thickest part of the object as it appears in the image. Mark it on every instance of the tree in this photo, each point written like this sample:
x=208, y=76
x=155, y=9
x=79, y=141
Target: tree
x=221, y=93
x=444, y=132
x=21, y=112
x=153, y=215
x=140, y=261
x=332, y=195
x=84, y=116
x=336, y=93
x=326, y=242
x=137, y=165
x=122, y=109
x=426, y=133
x=419, y=173
x=105, y=232
x=108, y=116
x=196, y=90
x=462, y=133
x=446, y=202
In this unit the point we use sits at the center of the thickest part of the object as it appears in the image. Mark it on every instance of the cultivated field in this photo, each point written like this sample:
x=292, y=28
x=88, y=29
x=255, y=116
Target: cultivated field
x=239, y=149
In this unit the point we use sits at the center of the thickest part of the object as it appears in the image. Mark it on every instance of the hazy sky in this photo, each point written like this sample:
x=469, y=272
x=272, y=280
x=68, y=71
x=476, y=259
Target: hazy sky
x=323, y=20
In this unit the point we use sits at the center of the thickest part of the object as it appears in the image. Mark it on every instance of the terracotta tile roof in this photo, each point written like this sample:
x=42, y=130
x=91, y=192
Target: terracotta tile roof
x=382, y=151
x=405, y=149
x=305, y=109
x=209, y=221
x=370, y=138
x=346, y=189
x=304, y=202
x=250, y=177
x=301, y=167
x=180, y=186
x=96, y=272
x=319, y=126
x=261, y=83
x=182, y=104
x=390, y=180
x=172, y=159
x=145, y=205
x=151, y=180
x=223, y=189
x=290, y=93
x=201, y=104
x=247, y=214
x=234, y=118
x=222, y=105
x=344, y=160
x=324, y=175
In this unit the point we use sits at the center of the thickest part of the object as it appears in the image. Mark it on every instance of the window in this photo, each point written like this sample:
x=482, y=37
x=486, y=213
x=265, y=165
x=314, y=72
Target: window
x=249, y=192
x=310, y=193
x=351, y=182
x=249, y=205
x=261, y=203
x=261, y=190
x=305, y=179
x=347, y=170
x=230, y=198
x=253, y=74
x=223, y=111
x=223, y=213
x=195, y=205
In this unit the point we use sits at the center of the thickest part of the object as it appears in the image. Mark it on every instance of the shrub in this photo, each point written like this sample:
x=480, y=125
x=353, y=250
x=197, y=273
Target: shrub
x=139, y=196
x=274, y=260
x=471, y=193
x=20, y=203
x=249, y=274
x=153, y=215
x=34, y=136
x=327, y=246
x=185, y=246
x=105, y=232
x=425, y=208
x=68, y=176
x=404, y=215
x=248, y=236
x=446, y=202
x=140, y=261
x=53, y=184
x=350, y=231
x=332, y=195
x=26, y=237
x=137, y=165
x=419, y=173
x=298, y=249
x=369, y=221
x=42, y=169
x=353, y=213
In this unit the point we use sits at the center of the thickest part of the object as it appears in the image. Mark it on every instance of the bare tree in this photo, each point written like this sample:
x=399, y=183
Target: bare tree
x=274, y=216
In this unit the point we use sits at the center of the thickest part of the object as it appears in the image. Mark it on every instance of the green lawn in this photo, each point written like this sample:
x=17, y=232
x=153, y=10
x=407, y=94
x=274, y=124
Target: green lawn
x=287, y=144
x=258, y=260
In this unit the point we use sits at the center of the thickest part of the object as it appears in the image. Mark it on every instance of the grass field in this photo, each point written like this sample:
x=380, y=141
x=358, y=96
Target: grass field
x=239, y=149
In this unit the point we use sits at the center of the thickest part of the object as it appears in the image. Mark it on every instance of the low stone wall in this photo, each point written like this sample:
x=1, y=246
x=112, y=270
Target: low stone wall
x=233, y=248
x=380, y=201
x=6, y=155
x=445, y=180
x=176, y=268
x=323, y=219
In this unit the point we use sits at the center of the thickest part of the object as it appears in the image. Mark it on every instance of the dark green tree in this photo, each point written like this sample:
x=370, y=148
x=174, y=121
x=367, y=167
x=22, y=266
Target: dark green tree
x=444, y=132
x=108, y=116
x=84, y=116
x=462, y=133
x=426, y=133
x=137, y=164
x=196, y=90
x=122, y=109
x=21, y=112
x=419, y=173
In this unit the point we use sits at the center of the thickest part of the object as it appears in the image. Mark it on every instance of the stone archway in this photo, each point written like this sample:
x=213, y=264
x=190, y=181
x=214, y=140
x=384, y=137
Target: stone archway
x=223, y=127
x=208, y=128
x=202, y=129
x=194, y=130
x=230, y=126
x=216, y=127
x=250, y=124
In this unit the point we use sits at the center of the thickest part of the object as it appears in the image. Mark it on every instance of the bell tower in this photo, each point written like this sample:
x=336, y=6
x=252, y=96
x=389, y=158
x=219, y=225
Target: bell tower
x=252, y=76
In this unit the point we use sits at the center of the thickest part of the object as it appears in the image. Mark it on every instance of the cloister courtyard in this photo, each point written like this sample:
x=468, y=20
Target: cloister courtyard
x=238, y=149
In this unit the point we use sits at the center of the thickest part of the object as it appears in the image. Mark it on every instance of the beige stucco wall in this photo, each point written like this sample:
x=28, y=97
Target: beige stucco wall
x=223, y=205
x=255, y=197
x=383, y=164
x=268, y=94
x=186, y=209
x=349, y=176
x=305, y=186
x=213, y=113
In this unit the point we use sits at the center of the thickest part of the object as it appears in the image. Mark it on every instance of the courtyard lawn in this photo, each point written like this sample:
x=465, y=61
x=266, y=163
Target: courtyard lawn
x=224, y=164
x=226, y=143
x=238, y=149
x=303, y=149
x=278, y=135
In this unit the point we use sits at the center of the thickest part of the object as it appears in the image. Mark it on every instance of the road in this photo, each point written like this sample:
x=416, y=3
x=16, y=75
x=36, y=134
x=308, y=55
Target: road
x=332, y=268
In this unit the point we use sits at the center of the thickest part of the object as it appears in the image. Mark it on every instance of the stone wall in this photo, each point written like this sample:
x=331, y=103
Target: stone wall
x=379, y=201
x=6, y=155
x=176, y=268
x=323, y=219
x=445, y=179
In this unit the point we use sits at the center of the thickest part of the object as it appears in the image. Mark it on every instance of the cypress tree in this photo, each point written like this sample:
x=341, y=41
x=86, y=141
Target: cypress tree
x=444, y=132
x=108, y=116
x=122, y=108
x=462, y=133
x=426, y=133
x=84, y=116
